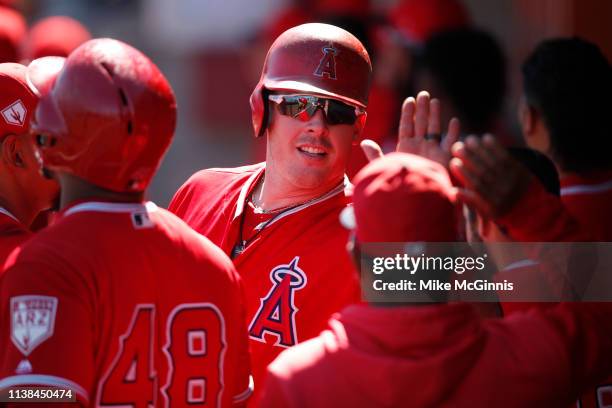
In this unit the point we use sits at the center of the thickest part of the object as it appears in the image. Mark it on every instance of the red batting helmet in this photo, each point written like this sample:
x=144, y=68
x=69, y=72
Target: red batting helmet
x=314, y=58
x=108, y=118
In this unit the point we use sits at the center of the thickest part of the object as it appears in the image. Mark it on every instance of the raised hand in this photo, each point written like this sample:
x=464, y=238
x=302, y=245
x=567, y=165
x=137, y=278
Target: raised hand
x=492, y=180
x=420, y=131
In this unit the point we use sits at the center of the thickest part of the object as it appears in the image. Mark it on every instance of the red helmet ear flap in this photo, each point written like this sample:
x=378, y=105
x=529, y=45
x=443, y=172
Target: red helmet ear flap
x=259, y=109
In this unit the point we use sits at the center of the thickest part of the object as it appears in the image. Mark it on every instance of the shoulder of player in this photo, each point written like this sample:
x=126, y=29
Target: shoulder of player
x=200, y=246
x=300, y=360
x=59, y=247
x=211, y=175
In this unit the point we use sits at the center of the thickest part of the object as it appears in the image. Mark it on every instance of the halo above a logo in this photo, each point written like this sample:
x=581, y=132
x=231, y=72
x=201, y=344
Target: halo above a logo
x=327, y=65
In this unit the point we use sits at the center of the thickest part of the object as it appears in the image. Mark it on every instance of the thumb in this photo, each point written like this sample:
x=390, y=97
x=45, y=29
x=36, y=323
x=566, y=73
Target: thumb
x=371, y=149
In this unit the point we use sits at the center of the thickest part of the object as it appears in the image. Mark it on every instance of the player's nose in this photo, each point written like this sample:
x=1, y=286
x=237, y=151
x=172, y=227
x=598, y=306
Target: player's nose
x=317, y=123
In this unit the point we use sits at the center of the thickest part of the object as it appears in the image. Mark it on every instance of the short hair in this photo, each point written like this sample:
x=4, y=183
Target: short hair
x=569, y=81
x=540, y=166
x=469, y=66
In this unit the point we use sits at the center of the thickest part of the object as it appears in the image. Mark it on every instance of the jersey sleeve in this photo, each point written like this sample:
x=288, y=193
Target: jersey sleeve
x=541, y=217
x=46, y=329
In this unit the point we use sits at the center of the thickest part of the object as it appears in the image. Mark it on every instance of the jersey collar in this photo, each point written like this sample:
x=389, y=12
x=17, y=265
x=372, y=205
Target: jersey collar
x=8, y=214
x=254, y=178
x=106, y=207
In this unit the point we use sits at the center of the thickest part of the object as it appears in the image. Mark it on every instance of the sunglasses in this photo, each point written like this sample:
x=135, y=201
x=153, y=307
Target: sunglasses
x=304, y=107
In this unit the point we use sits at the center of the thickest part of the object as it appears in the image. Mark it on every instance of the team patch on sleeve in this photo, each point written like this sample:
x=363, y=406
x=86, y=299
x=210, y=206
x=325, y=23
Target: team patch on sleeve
x=32, y=321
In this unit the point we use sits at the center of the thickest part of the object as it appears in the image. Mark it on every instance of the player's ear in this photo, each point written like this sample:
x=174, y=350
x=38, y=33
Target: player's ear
x=11, y=151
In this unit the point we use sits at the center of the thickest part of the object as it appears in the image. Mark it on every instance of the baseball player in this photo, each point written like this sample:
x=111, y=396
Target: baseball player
x=278, y=220
x=436, y=355
x=119, y=301
x=552, y=122
x=24, y=191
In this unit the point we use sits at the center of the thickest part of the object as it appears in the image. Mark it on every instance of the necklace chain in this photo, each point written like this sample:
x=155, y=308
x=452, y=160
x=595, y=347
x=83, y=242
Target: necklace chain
x=242, y=243
x=280, y=209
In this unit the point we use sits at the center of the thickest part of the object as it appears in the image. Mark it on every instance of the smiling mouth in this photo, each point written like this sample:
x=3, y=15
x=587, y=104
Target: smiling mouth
x=312, y=151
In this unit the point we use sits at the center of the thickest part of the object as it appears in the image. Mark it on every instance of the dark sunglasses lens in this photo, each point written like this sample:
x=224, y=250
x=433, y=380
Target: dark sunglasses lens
x=304, y=107
x=295, y=106
x=339, y=113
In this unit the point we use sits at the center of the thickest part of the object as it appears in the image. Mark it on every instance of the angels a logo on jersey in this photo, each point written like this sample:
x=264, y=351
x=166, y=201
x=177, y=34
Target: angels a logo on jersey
x=32, y=321
x=276, y=314
x=327, y=65
x=15, y=113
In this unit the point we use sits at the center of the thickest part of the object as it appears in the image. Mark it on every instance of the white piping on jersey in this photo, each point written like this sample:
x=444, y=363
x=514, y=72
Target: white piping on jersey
x=244, y=191
x=243, y=396
x=247, y=185
x=520, y=264
x=7, y=213
x=339, y=189
x=112, y=207
x=41, y=379
x=587, y=188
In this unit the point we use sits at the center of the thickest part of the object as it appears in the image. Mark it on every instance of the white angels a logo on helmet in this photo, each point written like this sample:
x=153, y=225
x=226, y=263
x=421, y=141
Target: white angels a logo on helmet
x=15, y=113
x=32, y=321
x=327, y=65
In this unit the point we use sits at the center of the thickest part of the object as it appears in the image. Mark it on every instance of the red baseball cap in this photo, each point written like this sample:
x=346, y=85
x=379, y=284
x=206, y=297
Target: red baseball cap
x=12, y=33
x=402, y=198
x=419, y=19
x=19, y=87
x=55, y=36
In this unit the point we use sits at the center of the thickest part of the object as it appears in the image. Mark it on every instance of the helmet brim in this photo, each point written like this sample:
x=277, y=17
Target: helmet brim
x=296, y=86
x=42, y=73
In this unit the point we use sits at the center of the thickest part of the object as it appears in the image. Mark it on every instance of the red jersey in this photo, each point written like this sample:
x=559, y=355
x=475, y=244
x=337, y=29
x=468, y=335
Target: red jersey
x=444, y=356
x=535, y=283
x=541, y=217
x=295, y=267
x=12, y=234
x=582, y=214
x=589, y=200
x=125, y=305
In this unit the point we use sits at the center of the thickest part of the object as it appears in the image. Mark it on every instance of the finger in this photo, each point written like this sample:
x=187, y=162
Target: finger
x=406, y=127
x=457, y=149
x=371, y=149
x=456, y=169
x=452, y=136
x=494, y=148
x=468, y=158
x=468, y=178
x=433, y=121
x=421, y=117
x=481, y=153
